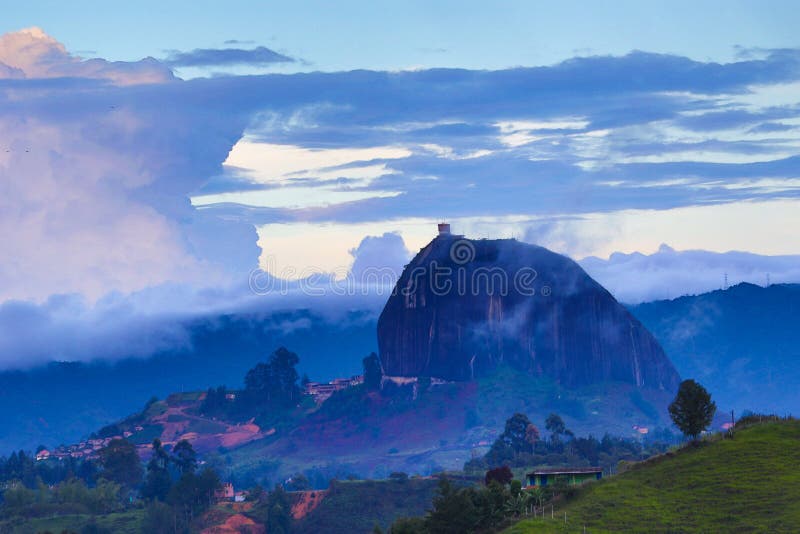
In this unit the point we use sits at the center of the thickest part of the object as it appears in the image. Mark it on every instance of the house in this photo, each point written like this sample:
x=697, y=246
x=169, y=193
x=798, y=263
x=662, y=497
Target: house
x=43, y=454
x=226, y=493
x=322, y=392
x=571, y=475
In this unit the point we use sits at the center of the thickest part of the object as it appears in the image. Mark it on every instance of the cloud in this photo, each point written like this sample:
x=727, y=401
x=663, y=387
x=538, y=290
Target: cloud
x=641, y=131
x=379, y=259
x=216, y=57
x=64, y=328
x=667, y=273
x=31, y=53
x=96, y=179
x=99, y=161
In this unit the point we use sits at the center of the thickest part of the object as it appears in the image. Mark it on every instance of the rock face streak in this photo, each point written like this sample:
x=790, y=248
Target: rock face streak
x=461, y=307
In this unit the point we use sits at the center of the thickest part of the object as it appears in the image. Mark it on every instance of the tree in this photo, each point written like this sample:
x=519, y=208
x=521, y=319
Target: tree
x=215, y=401
x=157, y=482
x=531, y=435
x=159, y=519
x=555, y=424
x=515, y=432
x=692, y=410
x=120, y=463
x=511, y=442
x=409, y=525
x=373, y=372
x=453, y=510
x=501, y=475
x=278, y=519
x=184, y=457
x=274, y=382
x=192, y=494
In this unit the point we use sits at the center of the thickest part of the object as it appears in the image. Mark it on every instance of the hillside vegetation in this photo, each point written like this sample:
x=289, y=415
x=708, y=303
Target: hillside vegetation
x=360, y=505
x=748, y=483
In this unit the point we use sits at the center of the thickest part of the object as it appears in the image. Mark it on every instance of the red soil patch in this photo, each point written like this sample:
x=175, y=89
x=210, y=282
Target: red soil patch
x=175, y=430
x=306, y=502
x=236, y=524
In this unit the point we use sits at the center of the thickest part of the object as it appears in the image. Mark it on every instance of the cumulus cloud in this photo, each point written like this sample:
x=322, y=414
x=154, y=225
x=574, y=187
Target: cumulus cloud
x=217, y=57
x=668, y=273
x=379, y=259
x=95, y=180
x=31, y=53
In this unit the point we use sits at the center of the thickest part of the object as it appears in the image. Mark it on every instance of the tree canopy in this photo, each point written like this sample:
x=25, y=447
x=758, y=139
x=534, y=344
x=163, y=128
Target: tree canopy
x=274, y=382
x=120, y=463
x=692, y=410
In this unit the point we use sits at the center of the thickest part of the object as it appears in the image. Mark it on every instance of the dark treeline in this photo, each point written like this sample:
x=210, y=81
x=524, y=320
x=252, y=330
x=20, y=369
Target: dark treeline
x=24, y=468
x=473, y=509
x=172, y=490
x=522, y=445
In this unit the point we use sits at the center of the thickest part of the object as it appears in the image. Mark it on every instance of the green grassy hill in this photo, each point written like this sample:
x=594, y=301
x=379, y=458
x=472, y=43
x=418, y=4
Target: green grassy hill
x=747, y=484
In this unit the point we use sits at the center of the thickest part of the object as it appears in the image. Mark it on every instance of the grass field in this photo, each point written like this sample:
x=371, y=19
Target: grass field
x=747, y=484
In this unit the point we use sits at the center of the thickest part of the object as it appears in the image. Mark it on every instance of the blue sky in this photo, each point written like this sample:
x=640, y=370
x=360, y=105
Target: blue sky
x=345, y=35
x=134, y=189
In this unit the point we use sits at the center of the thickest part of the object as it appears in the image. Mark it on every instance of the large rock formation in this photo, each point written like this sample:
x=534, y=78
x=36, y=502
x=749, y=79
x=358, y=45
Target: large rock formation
x=461, y=307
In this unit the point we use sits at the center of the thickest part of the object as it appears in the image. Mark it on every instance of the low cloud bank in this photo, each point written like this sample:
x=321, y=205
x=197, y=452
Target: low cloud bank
x=667, y=273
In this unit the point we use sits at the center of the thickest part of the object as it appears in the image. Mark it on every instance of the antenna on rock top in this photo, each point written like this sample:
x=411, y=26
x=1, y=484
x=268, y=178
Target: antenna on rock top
x=444, y=228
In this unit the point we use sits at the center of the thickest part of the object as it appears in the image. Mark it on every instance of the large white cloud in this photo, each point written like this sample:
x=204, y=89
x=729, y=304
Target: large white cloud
x=31, y=53
x=95, y=180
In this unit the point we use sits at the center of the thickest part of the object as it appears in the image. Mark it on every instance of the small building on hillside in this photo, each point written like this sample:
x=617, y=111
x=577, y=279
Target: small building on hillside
x=570, y=475
x=225, y=493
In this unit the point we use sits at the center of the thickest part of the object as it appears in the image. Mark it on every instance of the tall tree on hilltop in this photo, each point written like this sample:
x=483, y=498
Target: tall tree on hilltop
x=692, y=410
x=274, y=382
x=373, y=372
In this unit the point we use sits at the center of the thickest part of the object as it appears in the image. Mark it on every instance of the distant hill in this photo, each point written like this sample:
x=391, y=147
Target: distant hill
x=419, y=427
x=747, y=484
x=742, y=343
x=62, y=402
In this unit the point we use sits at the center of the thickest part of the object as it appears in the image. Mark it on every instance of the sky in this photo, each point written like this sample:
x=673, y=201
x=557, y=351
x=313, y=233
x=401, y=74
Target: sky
x=155, y=158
